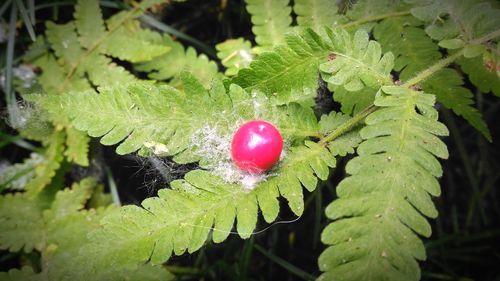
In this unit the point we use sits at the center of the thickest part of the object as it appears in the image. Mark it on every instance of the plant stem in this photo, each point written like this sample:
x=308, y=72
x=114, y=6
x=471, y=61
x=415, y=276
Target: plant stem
x=351, y=123
x=376, y=18
x=433, y=69
x=285, y=264
x=113, y=188
x=183, y=270
x=487, y=37
x=448, y=60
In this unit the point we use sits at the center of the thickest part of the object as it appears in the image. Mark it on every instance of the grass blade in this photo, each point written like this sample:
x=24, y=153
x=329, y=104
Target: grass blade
x=170, y=30
x=4, y=7
x=112, y=188
x=286, y=265
x=31, y=10
x=10, y=96
x=26, y=18
x=6, y=139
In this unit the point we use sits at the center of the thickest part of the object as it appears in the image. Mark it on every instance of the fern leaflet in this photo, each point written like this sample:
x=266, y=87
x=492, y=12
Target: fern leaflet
x=356, y=62
x=79, y=59
x=169, y=66
x=271, y=20
x=16, y=176
x=484, y=79
x=142, y=115
x=302, y=56
x=467, y=20
x=234, y=55
x=57, y=232
x=447, y=86
x=381, y=206
x=413, y=49
x=316, y=13
x=46, y=170
x=175, y=221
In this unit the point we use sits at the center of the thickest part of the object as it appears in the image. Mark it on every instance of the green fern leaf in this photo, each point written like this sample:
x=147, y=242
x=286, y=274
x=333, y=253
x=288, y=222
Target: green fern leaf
x=57, y=230
x=26, y=273
x=299, y=58
x=77, y=147
x=67, y=225
x=71, y=200
x=89, y=22
x=234, y=55
x=170, y=65
x=16, y=176
x=364, y=13
x=413, y=49
x=466, y=20
x=316, y=13
x=53, y=73
x=142, y=115
x=381, y=206
x=356, y=62
x=123, y=38
x=333, y=53
x=485, y=80
x=80, y=60
x=345, y=143
x=175, y=221
x=352, y=102
x=45, y=171
x=130, y=43
x=22, y=223
x=64, y=42
x=271, y=20
x=447, y=86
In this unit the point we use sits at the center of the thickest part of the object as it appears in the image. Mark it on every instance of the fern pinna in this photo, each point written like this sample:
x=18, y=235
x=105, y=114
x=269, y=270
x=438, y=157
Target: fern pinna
x=385, y=62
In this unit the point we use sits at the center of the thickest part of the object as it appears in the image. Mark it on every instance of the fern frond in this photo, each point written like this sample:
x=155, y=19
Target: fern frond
x=447, y=86
x=298, y=61
x=58, y=231
x=413, y=49
x=352, y=102
x=271, y=20
x=16, y=176
x=356, y=62
x=53, y=73
x=79, y=59
x=170, y=65
x=26, y=273
x=485, y=80
x=381, y=206
x=131, y=43
x=77, y=146
x=22, y=223
x=364, y=13
x=141, y=114
x=456, y=23
x=234, y=55
x=176, y=221
x=316, y=13
x=46, y=170
x=344, y=144
x=100, y=70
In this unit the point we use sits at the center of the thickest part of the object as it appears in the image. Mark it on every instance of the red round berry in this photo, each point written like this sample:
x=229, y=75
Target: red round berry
x=256, y=146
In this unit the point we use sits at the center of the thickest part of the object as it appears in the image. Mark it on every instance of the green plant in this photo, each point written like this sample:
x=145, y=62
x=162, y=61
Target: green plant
x=387, y=87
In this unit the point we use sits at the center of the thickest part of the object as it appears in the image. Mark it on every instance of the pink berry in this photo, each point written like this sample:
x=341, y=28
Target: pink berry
x=256, y=146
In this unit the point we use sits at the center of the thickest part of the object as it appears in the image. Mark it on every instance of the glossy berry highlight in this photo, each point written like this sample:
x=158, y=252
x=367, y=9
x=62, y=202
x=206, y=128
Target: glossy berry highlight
x=256, y=146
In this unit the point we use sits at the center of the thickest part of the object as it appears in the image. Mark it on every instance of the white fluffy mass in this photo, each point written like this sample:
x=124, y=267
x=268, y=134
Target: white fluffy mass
x=210, y=144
